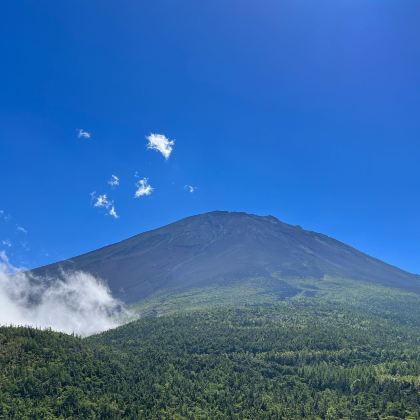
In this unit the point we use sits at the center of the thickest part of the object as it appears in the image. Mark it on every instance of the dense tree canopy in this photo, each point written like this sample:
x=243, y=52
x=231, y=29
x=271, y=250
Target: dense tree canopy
x=305, y=358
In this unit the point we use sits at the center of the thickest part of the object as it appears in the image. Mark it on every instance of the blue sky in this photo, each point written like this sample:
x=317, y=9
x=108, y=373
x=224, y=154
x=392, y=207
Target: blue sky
x=305, y=110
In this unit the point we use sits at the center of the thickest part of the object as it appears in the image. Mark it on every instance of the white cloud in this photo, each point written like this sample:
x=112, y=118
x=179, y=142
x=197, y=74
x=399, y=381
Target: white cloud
x=76, y=302
x=83, y=134
x=114, y=181
x=6, y=242
x=143, y=188
x=190, y=188
x=112, y=212
x=7, y=267
x=21, y=229
x=5, y=263
x=102, y=201
x=3, y=216
x=160, y=143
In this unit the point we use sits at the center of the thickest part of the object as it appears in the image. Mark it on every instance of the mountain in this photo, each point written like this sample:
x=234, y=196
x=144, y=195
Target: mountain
x=220, y=249
x=226, y=344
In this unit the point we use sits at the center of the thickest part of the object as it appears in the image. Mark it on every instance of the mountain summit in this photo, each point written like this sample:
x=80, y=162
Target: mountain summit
x=222, y=248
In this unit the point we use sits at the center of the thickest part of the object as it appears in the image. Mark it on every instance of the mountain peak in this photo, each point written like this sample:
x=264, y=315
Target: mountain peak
x=221, y=248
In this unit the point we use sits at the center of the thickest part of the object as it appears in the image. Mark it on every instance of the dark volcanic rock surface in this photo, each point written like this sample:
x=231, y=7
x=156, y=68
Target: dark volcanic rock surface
x=221, y=248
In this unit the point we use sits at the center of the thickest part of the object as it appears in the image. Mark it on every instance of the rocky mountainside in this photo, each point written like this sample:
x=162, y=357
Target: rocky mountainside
x=222, y=248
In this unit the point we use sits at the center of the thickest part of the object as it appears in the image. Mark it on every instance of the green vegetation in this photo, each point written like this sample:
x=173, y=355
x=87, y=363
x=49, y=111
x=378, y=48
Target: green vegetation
x=45, y=375
x=335, y=355
x=255, y=291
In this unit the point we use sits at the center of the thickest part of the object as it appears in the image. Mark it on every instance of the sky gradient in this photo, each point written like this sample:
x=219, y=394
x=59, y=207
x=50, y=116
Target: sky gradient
x=309, y=111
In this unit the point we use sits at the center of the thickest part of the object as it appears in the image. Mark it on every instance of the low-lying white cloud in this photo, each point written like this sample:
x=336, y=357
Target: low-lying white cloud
x=5, y=265
x=77, y=302
x=114, y=181
x=83, y=134
x=160, y=143
x=143, y=188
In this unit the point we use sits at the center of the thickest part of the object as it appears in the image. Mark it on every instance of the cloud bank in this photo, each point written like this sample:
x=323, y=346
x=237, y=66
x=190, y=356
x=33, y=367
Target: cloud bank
x=160, y=143
x=76, y=303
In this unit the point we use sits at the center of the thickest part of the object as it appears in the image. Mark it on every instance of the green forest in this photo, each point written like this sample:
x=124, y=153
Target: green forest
x=306, y=357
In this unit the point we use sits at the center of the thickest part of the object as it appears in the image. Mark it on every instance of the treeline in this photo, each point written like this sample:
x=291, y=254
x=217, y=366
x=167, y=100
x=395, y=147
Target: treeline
x=298, y=359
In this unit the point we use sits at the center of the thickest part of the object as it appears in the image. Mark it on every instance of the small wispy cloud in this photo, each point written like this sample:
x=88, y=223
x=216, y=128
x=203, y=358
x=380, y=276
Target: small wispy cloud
x=114, y=181
x=160, y=143
x=83, y=134
x=6, y=242
x=143, y=188
x=190, y=188
x=102, y=201
x=113, y=213
x=5, y=265
x=21, y=229
x=4, y=216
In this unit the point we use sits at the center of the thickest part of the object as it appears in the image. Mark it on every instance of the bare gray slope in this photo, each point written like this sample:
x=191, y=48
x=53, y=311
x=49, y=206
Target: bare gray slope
x=221, y=248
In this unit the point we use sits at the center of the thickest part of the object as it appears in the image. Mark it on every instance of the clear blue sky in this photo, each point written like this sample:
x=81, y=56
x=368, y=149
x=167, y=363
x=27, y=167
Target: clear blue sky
x=306, y=110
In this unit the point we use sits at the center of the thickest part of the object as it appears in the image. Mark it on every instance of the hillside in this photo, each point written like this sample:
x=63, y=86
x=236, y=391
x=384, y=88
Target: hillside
x=222, y=249
x=301, y=358
x=241, y=317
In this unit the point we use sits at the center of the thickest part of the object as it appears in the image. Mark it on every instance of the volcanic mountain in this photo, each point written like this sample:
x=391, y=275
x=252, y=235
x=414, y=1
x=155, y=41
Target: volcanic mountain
x=223, y=248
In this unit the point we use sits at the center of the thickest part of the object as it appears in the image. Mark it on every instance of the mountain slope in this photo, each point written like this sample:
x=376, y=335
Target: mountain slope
x=223, y=248
x=352, y=351
x=297, y=359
